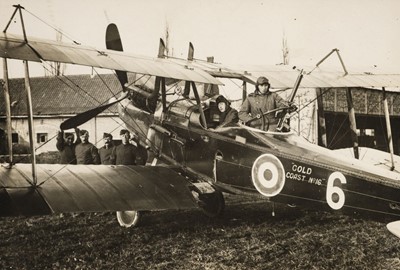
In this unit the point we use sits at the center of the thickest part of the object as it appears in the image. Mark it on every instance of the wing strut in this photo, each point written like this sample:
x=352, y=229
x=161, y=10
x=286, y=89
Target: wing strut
x=28, y=97
x=282, y=123
x=160, y=81
x=163, y=94
x=388, y=127
x=352, y=120
x=8, y=111
x=30, y=122
x=329, y=54
x=17, y=8
x=196, y=94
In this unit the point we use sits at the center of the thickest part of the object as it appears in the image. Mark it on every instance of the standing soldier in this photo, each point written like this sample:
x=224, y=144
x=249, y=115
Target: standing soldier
x=86, y=152
x=107, y=152
x=125, y=153
x=66, y=147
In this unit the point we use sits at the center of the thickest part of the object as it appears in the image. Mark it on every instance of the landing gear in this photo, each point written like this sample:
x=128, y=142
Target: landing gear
x=128, y=219
x=212, y=204
x=209, y=200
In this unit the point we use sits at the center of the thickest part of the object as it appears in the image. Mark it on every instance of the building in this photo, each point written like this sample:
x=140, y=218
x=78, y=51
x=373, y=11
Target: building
x=54, y=100
x=333, y=108
x=370, y=118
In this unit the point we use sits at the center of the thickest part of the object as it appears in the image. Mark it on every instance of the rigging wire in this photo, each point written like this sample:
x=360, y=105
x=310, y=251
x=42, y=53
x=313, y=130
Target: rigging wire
x=311, y=101
x=109, y=89
x=143, y=135
x=140, y=133
x=155, y=149
x=106, y=84
x=94, y=100
x=52, y=138
x=87, y=94
x=69, y=37
x=338, y=130
x=53, y=27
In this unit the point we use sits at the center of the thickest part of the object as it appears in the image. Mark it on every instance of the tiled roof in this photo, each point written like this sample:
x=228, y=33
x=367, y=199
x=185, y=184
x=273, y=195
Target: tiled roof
x=62, y=95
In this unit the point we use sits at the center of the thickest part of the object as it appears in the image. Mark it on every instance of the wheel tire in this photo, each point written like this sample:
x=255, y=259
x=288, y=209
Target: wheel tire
x=212, y=204
x=128, y=219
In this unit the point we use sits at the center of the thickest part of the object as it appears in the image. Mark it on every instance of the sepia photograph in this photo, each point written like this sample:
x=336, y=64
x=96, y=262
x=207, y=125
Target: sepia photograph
x=224, y=134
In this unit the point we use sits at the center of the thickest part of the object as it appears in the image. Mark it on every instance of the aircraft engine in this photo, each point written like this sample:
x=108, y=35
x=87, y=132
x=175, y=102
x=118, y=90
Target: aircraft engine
x=268, y=175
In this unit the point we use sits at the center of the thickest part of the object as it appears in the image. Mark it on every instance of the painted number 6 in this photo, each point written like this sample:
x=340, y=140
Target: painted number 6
x=331, y=190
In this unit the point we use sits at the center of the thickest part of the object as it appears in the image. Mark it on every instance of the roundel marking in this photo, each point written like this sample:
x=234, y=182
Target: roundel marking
x=268, y=175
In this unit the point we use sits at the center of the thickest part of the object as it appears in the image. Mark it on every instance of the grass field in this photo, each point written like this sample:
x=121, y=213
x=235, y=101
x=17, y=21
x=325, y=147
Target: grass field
x=246, y=237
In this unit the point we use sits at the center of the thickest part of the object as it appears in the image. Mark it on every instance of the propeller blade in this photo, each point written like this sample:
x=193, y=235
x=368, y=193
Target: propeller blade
x=82, y=118
x=191, y=52
x=113, y=42
x=161, y=49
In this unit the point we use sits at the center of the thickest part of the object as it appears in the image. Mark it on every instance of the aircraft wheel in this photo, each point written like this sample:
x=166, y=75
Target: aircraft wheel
x=128, y=219
x=212, y=204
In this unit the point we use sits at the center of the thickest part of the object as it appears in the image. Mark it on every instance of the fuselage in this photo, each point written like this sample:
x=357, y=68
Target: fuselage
x=280, y=166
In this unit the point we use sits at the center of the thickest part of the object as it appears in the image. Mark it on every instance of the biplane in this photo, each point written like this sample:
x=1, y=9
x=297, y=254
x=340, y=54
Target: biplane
x=194, y=162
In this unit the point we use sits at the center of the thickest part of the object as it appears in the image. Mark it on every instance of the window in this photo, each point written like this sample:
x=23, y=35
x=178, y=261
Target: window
x=366, y=137
x=15, y=138
x=365, y=132
x=41, y=137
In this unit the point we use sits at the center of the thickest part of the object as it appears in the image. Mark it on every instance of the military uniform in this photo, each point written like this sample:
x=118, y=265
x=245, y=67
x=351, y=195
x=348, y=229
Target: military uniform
x=107, y=154
x=256, y=104
x=125, y=154
x=67, y=151
x=87, y=153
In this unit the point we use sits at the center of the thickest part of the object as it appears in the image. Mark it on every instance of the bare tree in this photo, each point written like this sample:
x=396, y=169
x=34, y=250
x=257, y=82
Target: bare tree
x=285, y=50
x=168, y=50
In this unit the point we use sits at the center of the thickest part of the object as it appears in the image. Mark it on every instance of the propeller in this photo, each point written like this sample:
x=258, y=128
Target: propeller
x=82, y=118
x=113, y=42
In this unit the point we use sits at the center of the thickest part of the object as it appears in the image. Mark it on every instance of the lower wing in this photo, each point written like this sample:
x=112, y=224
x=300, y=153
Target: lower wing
x=91, y=188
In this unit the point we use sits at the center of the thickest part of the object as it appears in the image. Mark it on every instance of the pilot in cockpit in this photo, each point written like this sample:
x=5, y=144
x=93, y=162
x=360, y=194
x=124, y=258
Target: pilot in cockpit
x=227, y=115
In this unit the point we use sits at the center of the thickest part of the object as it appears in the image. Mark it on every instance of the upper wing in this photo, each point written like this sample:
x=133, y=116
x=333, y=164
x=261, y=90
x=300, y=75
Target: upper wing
x=91, y=188
x=285, y=77
x=15, y=47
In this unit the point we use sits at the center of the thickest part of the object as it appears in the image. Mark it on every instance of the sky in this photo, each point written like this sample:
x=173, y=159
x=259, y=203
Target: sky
x=235, y=32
